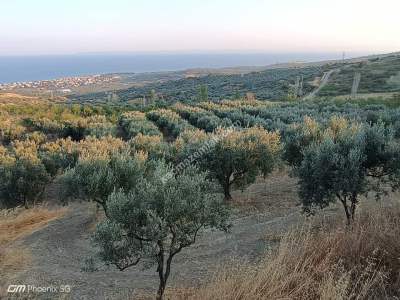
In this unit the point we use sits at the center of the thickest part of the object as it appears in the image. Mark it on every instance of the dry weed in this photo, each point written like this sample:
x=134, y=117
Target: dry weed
x=325, y=260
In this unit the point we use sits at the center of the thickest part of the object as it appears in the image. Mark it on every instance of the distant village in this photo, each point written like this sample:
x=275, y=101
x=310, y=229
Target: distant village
x=61, y=85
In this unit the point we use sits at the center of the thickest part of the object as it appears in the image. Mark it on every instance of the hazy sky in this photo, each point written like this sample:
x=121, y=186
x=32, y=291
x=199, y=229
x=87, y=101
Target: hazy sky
x=71, y=26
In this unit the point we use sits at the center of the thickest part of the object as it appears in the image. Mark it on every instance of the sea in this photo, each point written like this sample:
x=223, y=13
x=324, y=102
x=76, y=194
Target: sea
x=45, y=67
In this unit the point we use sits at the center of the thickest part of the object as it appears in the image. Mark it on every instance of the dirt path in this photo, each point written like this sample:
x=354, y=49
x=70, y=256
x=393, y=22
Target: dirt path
x=59, y=249
x=324, y=81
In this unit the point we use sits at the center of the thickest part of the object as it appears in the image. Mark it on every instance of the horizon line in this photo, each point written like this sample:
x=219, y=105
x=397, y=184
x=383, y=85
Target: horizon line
x=200, y=52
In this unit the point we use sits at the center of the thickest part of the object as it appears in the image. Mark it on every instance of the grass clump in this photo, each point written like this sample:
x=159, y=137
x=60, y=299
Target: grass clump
x=323, y=261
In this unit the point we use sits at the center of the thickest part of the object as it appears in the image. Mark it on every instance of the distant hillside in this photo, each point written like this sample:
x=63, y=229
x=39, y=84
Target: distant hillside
x=268, y=84
x=377, y=74
x=11, y=98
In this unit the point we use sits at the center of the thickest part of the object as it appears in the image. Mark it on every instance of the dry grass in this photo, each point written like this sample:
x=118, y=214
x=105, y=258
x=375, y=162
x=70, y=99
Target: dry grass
x=274, y=194
x=13, y=260
x=13, y=98
x=15, y=224
x=324, y=261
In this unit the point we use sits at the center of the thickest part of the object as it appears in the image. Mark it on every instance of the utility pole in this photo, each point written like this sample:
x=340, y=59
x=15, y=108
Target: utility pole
x=300, y=91
x=298, y=86
x=356, y=83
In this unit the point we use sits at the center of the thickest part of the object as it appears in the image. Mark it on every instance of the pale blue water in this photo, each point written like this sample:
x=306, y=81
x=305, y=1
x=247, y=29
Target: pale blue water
x=31, y=68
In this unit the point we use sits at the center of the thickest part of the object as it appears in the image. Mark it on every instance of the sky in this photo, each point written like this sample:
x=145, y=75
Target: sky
x=41, y=27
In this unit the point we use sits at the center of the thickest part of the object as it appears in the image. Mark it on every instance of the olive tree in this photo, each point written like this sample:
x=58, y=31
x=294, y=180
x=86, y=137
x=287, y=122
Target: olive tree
x=297, y=137
x=22, y=182
x=203, y=93
x=157, y=218
x=96, y=179
x=355, y=160
x=238, y=156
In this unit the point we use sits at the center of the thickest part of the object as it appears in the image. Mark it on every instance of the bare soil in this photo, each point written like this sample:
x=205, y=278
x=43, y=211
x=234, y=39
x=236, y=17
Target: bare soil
x=266, y=209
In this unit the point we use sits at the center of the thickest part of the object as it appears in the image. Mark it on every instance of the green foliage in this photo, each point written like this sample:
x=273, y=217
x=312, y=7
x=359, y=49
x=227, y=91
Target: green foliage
x=96, y=179
x=203, y=93
x=297, y=138
x=201, y=118
x=56, y=162
x=292, y=94
x=237, y=96
x=377, y=76
x=236, y=115
x=134, y=123
x=239, y=156
x=367, y=103
x=157, y=218
x=60, y=136
x=75, y=121
x=169, y=121
x=61, y=154
x=153, y=96
x=97, y=126
x=22, y=182
x=269, y=84
x=153, y=146
x=348, y=160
